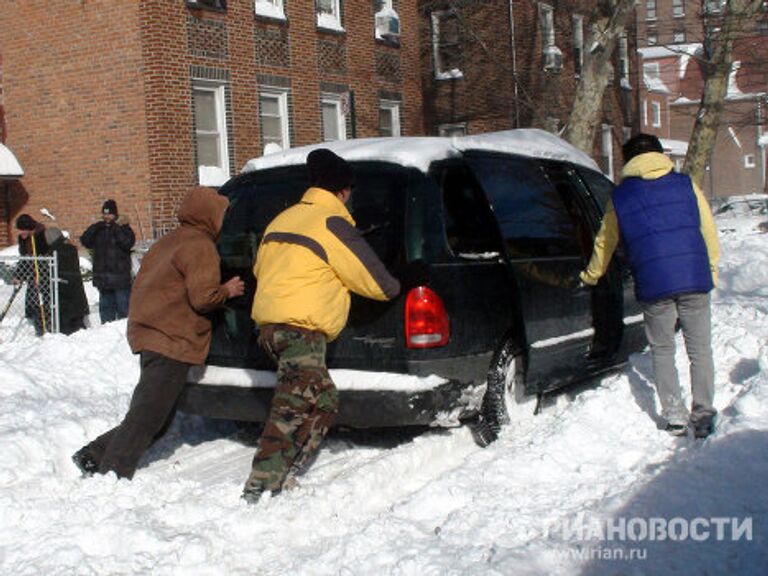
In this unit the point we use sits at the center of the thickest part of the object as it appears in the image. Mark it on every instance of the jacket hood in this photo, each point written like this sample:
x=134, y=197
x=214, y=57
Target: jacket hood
x=648, y=166
x=203, y=208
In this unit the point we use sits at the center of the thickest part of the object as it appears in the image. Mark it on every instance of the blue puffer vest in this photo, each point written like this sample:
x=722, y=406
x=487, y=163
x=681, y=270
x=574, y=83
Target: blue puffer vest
x=660, y=227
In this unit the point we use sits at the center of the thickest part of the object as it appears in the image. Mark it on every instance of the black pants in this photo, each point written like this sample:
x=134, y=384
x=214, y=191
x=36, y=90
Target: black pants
x=152, y=408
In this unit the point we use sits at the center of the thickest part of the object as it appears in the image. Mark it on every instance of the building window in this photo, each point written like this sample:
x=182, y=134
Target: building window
x=449, y=130
x=678, y=8
x=208, y=4
x=652, y=39
x=713, y=6
x=650, y=9
x=386, y=21
x=446, y=44
x=606, y=147
x=578, y=43
x=678, y=37
x=624, y=61
x=749, y=161
x=211, y=133
x=553, y=57
x=273, y=114
x=389, y=118
x=645, y=112
x=656, y=114
x=329, y=14
x=334, y=118
x=270, y=9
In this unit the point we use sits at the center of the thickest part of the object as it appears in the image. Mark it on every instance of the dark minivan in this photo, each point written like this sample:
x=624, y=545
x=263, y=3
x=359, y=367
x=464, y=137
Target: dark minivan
x=498, y=225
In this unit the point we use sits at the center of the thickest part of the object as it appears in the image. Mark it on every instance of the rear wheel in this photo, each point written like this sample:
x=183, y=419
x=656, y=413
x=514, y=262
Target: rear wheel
x=505, y=390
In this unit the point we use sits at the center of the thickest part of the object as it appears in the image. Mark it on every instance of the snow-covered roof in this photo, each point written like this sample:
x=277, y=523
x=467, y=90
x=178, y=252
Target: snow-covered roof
x=420, y=151
x=668, y=51
x=654, y=84
x=9, y=166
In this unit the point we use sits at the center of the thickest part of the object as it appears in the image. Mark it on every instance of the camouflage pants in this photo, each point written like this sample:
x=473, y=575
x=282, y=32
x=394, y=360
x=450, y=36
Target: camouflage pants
x=304, y=406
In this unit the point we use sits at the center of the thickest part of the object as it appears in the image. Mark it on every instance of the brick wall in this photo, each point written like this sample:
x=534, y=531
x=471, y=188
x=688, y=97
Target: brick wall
x=74, y=107
x=99, y=93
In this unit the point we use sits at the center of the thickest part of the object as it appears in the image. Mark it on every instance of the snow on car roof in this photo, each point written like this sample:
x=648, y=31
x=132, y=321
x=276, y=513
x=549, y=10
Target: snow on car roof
x=420, y=151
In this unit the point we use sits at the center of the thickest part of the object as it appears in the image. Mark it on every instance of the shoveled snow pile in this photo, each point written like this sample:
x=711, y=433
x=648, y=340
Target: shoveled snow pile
x=589, y=486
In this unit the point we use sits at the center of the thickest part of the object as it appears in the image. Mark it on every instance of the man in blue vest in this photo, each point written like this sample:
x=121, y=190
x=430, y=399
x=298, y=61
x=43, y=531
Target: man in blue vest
x=667, y=230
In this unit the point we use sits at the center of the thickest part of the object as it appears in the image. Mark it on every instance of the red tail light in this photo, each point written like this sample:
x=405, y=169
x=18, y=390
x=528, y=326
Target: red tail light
x=426, y=322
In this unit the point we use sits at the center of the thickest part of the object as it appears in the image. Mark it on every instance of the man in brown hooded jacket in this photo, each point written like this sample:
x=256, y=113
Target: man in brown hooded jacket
x=178, y=284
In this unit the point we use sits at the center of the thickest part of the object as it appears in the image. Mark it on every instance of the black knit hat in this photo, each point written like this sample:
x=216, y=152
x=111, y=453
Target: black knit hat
x=329, y=171
x=641, y=144
x=25, y=222
x=109, y=207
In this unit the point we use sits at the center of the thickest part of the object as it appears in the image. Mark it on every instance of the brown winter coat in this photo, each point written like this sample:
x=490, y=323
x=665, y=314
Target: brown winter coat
x=179, y=282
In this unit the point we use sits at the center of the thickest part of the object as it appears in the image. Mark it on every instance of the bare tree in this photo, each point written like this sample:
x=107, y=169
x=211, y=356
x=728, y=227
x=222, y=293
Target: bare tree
x=719, y=47
x=609, y=24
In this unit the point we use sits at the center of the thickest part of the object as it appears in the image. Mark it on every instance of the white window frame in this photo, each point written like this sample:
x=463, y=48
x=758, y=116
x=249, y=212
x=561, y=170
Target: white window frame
x=329, y=14
x=651, y=9
x=678, y=37
x=393, y=107
x=214, y=175
x=624, y=60
x=652, y=39
x=749, y=161
x=269, y=9
x=606, y=145
x=447, y=130
x=678, y=8
x=440, y=73
x=578, y=42
x=547, y=23
x=281, y=96
x=656, y=114
x=336, y=101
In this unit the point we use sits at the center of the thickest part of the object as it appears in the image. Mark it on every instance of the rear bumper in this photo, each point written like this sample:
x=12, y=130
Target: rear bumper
x=366, y=399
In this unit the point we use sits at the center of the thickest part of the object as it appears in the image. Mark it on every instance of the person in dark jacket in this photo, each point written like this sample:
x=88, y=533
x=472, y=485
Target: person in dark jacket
x=309, y=261
x=111, y=241
x=35, y=273
x=73, y=305
x=667, y=229
x=178, y=285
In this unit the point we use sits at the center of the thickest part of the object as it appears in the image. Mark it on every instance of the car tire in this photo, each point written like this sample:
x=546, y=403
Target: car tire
x=505, y=388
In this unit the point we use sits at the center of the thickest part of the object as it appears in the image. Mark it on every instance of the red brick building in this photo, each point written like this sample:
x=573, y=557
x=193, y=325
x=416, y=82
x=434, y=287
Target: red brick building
x=498, y=64
x=672, y=35
x=138, y=101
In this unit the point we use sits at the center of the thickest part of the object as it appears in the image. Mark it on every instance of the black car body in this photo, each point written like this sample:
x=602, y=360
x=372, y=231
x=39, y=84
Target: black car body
x=500, y=224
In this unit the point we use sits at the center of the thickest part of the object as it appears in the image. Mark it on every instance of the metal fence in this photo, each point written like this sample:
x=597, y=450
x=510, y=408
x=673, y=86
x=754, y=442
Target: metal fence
x=29, y=296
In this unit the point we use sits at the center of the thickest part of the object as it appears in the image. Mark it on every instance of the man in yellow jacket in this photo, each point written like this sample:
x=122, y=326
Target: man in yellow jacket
x=669, y=235
x=309, y=260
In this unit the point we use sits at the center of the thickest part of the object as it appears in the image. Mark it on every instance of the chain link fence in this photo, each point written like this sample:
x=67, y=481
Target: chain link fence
x=29, y=296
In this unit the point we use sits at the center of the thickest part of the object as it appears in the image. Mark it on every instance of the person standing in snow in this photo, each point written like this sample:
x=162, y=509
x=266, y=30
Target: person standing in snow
x=177, y=286
x=73, y=305
x=668, y=232
x=310, y=259
x=111, y=240
x=36, y=275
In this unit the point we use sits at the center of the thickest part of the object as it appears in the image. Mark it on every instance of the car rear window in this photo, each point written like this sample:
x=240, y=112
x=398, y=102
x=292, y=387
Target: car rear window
x=377, y=205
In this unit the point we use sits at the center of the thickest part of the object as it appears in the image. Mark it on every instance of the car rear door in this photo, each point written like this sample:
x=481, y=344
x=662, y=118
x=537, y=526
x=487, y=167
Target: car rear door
x=545, y=239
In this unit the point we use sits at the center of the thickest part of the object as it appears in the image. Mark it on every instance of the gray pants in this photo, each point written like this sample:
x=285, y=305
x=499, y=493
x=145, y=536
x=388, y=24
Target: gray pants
x=695, y=316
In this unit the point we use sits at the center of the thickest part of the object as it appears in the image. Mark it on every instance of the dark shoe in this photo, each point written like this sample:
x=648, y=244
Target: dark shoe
x=704, y=427
x=676, y=429
x=252, y=493
x=85, y=462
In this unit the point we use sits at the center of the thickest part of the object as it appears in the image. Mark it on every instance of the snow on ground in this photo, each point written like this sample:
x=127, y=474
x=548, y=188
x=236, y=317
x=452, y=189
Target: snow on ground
x=590, y=486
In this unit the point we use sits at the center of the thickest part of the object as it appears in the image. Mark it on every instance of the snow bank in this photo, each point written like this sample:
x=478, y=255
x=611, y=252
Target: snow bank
x=538, y=501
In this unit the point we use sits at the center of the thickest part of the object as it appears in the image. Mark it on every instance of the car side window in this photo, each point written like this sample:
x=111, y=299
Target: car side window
x=532, y=215
x=599, y=186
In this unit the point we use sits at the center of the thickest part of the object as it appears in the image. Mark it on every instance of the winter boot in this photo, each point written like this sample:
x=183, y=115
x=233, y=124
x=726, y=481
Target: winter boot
x=252, y=492
x=85, y=461
x=704, y=426
x=676, y=429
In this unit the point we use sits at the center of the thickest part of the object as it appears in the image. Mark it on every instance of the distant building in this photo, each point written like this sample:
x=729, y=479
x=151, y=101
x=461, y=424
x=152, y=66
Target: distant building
x=138, y=101
x=673, y=36
x=497, y=64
